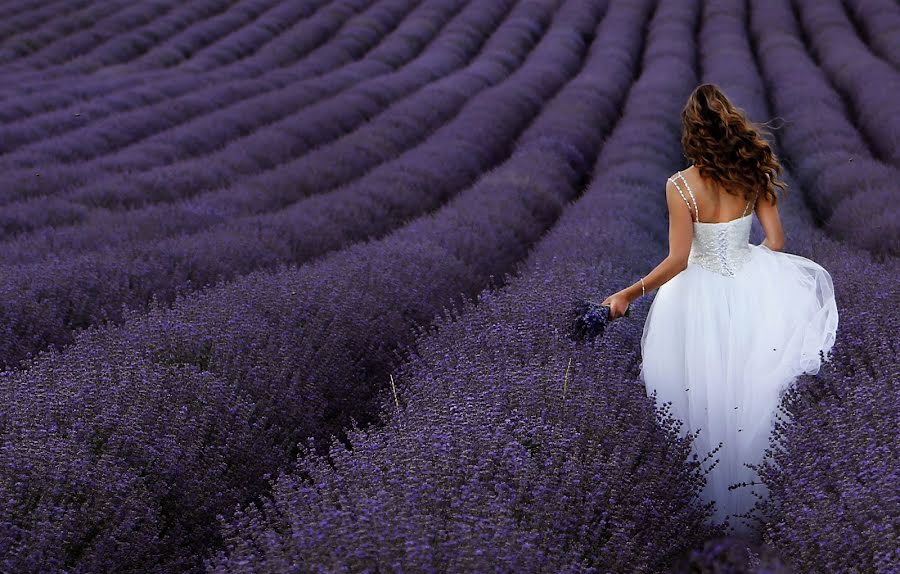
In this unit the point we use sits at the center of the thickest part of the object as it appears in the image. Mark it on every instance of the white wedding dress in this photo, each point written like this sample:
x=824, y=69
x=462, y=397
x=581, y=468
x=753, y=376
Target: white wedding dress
x=725, y=338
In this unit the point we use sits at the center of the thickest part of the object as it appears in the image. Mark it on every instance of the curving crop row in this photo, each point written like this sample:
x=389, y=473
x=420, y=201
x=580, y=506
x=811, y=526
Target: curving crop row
x=26, y=11
x=830, y=499
x=46, y=302
x=183, y=46
x=313, y=33
x=320, y=125
x=879, y=24
x=255, y=41
x=870, y=83
x=86, y=40
x=115, y=55
x=48, y=94
x=848, y=188
x=510, y=448
x=25, y=45
x=285, y=356
x=18, y=7
x=31, y=29
x=117, y=131
x=100, y=44
x=303, y=24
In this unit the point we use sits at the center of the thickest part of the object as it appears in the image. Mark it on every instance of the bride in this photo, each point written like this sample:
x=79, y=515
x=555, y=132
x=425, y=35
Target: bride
x=732, y=323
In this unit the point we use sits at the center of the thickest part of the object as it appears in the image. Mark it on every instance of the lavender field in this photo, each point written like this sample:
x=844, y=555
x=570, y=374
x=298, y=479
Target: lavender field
x=285, y=284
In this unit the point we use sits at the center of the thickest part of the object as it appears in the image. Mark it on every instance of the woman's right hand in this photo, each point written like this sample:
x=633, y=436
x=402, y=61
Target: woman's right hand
x=618, y=304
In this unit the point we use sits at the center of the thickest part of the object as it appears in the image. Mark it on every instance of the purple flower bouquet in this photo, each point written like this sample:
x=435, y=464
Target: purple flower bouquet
x=591, y=318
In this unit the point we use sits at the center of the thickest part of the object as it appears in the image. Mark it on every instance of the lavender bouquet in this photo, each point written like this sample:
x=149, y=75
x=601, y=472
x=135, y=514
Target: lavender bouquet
x=591, y=318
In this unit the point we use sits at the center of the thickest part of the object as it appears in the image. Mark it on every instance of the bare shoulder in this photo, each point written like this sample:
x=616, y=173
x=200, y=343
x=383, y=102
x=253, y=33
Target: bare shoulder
x=672, y=186
x=675, y=197
x=681, y=180
x=691, y=174
x=676, y=175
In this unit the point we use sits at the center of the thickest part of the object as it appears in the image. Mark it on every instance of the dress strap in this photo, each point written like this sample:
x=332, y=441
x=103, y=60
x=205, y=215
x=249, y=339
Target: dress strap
x=744, y=214
x=678, y=187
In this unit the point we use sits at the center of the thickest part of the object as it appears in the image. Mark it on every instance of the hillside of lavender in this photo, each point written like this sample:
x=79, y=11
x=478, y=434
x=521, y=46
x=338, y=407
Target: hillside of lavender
x=285, y=285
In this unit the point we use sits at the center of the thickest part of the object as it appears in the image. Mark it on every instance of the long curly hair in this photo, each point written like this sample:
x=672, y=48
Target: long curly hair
x=726, y=147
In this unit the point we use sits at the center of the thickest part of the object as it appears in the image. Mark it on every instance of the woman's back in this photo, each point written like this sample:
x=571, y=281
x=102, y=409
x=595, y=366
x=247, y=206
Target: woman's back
x=719, y=246
x=716, y=206
x=714, y=203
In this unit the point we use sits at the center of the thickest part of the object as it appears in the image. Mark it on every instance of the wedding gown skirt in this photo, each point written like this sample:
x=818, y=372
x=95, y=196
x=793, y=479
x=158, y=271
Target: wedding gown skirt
x=724, y=339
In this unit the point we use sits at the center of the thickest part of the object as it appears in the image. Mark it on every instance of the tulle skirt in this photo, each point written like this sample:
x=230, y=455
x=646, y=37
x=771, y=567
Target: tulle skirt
x=724, y=349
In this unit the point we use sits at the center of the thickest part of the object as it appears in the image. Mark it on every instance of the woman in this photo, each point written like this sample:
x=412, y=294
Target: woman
x=732, y=323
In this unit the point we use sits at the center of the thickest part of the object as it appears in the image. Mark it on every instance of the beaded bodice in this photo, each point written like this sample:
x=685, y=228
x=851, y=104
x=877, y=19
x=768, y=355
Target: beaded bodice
x=722, y=247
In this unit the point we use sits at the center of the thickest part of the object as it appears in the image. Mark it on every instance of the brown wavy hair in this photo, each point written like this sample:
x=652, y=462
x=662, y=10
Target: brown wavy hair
x=726, y=147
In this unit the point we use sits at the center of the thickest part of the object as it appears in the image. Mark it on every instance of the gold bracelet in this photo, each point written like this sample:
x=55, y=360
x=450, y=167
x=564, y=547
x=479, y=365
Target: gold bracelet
x=643, y=292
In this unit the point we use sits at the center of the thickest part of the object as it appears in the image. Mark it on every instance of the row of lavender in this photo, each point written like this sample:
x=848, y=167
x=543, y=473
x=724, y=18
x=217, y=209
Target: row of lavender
x=97, y=35
x=253, y=47
x=200, y=403
x=125, y=31
x=865, y=80
x=491, y=387
x=130, y=125
x=878, y=21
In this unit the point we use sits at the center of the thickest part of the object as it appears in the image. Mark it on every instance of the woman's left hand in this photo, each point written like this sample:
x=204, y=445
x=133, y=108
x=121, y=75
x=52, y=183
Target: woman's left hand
x=618, y=303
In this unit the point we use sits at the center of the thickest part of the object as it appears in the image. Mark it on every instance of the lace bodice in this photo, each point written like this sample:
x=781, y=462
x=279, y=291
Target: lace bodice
x=722, y=247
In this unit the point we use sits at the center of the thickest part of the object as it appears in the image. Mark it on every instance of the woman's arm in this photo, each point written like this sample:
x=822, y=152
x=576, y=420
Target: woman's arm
x=771, y=223
x=681, y=233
